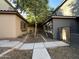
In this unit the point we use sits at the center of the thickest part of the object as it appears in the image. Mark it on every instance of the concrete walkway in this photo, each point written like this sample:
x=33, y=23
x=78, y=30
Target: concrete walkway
x=25, y=46
x=40, y=54
x=39, y=49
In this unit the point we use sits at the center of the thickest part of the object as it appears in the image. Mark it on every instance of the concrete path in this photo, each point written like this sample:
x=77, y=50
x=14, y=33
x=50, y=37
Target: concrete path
x=27, y=46
x=39, y=49
x=40, y=54
x=7, y=43
x=54, y=44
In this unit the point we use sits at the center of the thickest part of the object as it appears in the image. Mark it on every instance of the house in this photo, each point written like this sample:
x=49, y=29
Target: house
x=64, y=21
x=12, y=24
x=68, y=8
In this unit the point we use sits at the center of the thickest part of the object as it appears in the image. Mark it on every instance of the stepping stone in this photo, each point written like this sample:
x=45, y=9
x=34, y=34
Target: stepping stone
x=55, y=44
x=9, y=44
x=40, y=54
x=3, y=41
x=27, y=46
x=39, y=45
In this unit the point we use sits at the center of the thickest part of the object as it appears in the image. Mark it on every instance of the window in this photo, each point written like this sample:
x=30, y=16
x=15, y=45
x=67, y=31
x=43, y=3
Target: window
x=23, y=26
x=49, y=27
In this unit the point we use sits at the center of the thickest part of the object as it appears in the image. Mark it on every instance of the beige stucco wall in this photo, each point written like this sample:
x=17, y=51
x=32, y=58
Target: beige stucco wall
x=30, y=29
x=57, y=23
x=7, y=26
x=5, y=6
x=19, y=32
x=70, y=8
x=10, y=26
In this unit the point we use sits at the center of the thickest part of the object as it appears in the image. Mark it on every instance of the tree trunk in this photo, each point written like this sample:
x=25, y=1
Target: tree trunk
x=35, y=34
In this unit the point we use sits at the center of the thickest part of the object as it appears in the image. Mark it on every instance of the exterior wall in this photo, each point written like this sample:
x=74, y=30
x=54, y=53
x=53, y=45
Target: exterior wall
x=10, y=26
x=70, y=8
x=31, y=29
x=5, y=6
x=7, y=26
x=19, y=32
x=48, y=29
x=62, y=23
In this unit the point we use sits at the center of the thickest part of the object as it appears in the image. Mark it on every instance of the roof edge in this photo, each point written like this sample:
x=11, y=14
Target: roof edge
x=59, y=6
x=15, y=11
x=10, y=4
x=60, y=17
x=64, y=17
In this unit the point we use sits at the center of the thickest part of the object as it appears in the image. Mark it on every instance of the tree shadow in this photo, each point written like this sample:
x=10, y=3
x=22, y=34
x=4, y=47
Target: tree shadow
x=59, y=12
x=75, y=8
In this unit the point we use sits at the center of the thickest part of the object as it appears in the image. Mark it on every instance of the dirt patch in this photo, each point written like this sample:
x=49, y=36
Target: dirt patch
x=31, y=39
x=3, y=49
x=18, y=54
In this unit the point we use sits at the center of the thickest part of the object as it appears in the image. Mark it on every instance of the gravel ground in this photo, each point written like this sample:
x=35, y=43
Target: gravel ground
x=18, y=54
x=64, y=53
x=31, y=39
x=3, y=49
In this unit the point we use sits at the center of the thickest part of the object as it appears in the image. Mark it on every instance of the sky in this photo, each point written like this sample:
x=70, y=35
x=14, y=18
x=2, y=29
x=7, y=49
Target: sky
x=54, y=3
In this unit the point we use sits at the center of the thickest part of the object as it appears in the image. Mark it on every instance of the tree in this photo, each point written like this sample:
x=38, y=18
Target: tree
x=37, y=10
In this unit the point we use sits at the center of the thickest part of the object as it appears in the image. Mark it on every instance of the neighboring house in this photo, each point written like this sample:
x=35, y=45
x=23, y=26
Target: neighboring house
x=69, y=8
x=57, y=22
x=63, y=17
x=12, y=24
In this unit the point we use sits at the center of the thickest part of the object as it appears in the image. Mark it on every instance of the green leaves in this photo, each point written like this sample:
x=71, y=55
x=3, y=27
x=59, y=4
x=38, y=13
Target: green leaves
x=37, y=10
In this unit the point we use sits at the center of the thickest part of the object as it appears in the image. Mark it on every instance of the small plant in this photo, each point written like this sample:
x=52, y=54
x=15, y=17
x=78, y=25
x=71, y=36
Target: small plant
x=53, y=35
